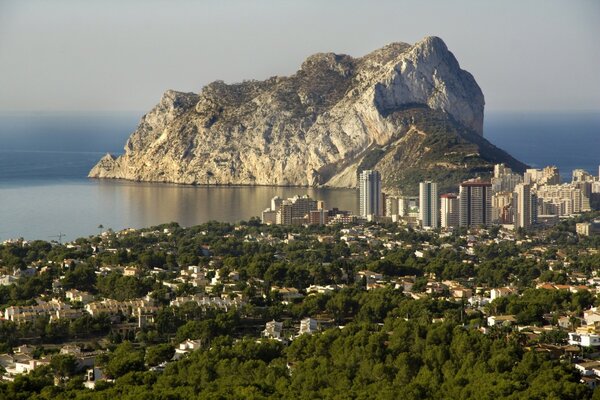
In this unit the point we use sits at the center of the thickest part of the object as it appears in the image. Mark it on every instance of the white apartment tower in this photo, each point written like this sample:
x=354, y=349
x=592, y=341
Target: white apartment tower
x=370, y=193
x=522, y=206
x=429, y=209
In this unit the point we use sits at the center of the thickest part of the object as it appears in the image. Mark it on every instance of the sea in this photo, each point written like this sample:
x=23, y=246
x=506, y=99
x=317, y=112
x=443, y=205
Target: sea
x=45, y=193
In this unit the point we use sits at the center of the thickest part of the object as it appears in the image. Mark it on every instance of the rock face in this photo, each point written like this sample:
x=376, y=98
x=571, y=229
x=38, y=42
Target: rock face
x=408, y=111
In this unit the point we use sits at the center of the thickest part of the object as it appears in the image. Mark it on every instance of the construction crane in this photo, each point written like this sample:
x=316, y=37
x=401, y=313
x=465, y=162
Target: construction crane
x=59, y=236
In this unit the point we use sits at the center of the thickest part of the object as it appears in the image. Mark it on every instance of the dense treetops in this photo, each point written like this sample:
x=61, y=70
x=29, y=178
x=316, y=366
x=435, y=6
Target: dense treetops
x=378, y=344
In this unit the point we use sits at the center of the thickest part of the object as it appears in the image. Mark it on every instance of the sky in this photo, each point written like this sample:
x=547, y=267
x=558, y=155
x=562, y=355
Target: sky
x=121, y=55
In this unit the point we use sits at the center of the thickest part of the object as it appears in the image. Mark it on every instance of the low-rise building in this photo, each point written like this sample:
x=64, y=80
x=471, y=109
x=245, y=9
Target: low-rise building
x=77, y=295
x=504, y=320
x=273, y=330
x=309, y=326
x=584, y=339
x=188, y=346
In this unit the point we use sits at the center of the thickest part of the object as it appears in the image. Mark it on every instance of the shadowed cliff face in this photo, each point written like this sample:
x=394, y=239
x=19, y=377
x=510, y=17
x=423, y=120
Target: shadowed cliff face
x=320, y=126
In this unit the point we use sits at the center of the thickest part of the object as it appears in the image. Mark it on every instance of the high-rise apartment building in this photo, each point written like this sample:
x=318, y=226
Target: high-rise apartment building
x=581, y=175
x=475, y=203
x=429, y=208
x=391, y=206
x=370, y=193
x=523, y=206
x=567, y=199
x=294, y=210
x=449, y=210
x=504, y=179
x=502, y=208
x=546, y=176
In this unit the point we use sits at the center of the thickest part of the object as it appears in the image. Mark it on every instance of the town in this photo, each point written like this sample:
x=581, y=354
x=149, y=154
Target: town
x=535, y=199
x=512, y=260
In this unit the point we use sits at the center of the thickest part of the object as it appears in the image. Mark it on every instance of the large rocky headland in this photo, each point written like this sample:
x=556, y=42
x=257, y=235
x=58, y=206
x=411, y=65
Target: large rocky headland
x=408, y=111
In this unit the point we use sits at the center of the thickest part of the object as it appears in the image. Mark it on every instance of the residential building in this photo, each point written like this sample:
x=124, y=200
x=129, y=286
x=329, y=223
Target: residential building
x=318, y=217
x=581, y=175
x=561, y=200
x=449, y=210
x=188, y=346
x=269, y=216
x=429, y=208
x=391, y=206
x=502, y=208
x=475, y=203
x=584, y=339
x=496, y=293
x=79, y=296
x=505, y=320
x=504, y=179
x=522, y=206
x=309, y=326
x=587, y=228
x=294, y=210
x=273, y=330
x=370, y=193
x=547, y=176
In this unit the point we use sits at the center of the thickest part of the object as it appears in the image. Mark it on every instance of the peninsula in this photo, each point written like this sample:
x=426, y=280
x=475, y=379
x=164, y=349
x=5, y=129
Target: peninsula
x=408, y=111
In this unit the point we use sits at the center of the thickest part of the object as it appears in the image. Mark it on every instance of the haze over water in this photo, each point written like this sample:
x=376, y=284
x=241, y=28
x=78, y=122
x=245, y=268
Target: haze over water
x=44, y=161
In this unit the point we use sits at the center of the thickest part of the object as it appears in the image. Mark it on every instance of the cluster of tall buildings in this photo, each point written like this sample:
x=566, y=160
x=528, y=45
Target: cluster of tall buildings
x=507, y=199
x=471, y=207
x=538, y=195
x=302, y=210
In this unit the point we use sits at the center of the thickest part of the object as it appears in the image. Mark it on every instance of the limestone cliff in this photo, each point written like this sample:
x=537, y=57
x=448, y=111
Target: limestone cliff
x=408, y=111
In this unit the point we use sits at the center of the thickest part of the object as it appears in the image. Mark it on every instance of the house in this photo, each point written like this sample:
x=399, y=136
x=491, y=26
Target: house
x=77, y=295
x=131, y=271
x=84, y=359
x=287, y=294
x=273, y=330
x=501, y=292
x=478, y=301
x=66, y=313
x=25, y=363
x=308, y=325
x=7, y=280
x=565, y=322
x=590, y=381
x=461, y=292
x=405, y=283
x=504, y=320
x=584, y=339
x=587, y=367
x=591, y=316
x=321, y=289
x=6, y=361
x=21, y=314
x=188, y=346
x=93, y=376
x=70, y=349
x=433, y=287
x=370, y=276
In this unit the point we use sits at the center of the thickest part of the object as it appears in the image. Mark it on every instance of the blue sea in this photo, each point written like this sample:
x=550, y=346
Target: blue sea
x=44, y=161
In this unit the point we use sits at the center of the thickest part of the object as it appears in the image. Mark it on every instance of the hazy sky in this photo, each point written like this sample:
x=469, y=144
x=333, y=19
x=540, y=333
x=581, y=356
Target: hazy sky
x=122, y=55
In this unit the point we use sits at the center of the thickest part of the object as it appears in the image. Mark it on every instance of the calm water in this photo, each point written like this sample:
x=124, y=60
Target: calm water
x=44, y=161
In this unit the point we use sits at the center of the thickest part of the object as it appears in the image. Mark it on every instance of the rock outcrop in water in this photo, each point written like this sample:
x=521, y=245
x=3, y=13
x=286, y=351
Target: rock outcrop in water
x=408, y=111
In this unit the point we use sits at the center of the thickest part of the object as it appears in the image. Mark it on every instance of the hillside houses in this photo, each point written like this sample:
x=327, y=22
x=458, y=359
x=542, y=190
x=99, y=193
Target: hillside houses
x=54, y=307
